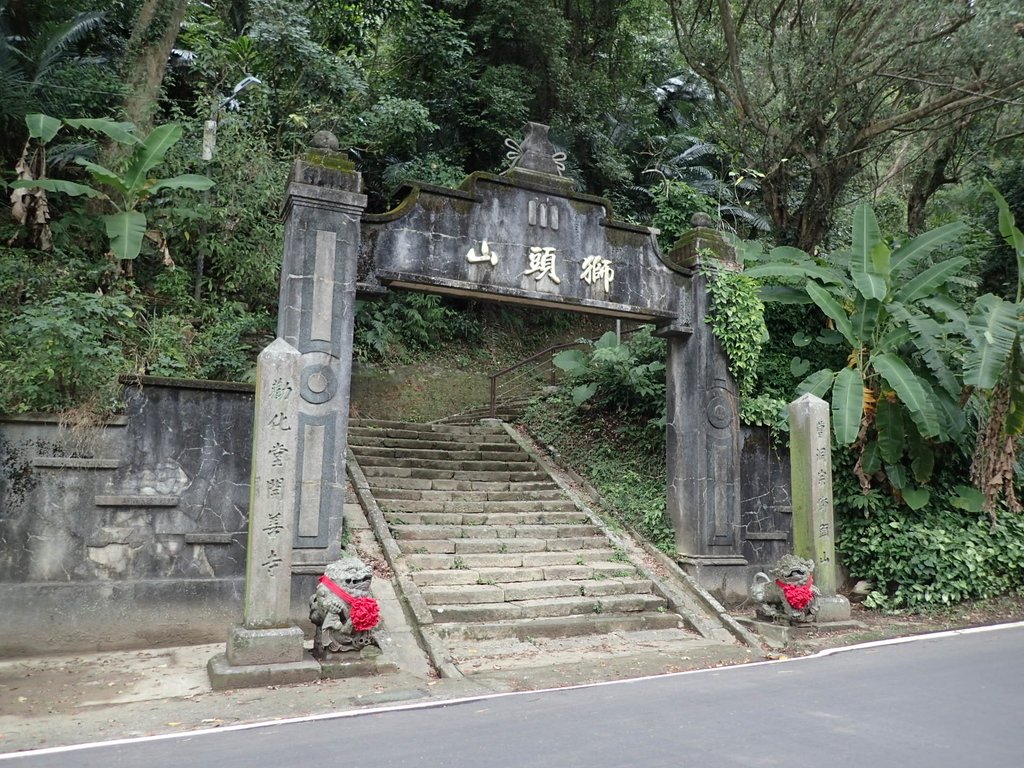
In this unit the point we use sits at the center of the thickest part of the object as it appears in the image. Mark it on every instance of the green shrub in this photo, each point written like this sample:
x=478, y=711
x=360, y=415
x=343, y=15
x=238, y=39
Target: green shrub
x=625, y=465
x=943, y=553
x=627, y=378
x=934, y=556
x=65, y=351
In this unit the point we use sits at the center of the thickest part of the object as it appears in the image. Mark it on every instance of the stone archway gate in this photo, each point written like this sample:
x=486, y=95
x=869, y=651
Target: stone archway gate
x=524, y=236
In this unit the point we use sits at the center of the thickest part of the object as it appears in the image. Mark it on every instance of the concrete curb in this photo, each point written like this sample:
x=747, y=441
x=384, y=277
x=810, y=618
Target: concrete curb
x=406, y=586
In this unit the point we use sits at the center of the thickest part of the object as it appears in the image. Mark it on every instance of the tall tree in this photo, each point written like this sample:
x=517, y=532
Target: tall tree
x=811, y=91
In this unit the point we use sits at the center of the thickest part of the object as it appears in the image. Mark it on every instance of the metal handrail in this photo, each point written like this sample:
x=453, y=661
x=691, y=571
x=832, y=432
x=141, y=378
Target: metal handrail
x=547, y=355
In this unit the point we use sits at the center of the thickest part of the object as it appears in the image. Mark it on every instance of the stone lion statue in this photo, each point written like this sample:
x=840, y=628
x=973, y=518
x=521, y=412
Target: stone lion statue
x=787, y=591
x=341, y=608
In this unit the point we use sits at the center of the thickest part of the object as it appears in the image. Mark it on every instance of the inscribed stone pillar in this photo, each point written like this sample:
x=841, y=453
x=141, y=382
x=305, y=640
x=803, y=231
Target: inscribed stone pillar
x=810, y=446
x=703, y=431
x=267, y=648
x=316, y=314
x=272, y=488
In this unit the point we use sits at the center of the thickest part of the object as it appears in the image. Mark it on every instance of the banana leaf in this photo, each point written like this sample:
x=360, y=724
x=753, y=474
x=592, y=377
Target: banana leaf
x=869, y=263
x=911, y=390
x=150, y=154
x=102, y=175
x=926, y=283
x=891, y=431
x=817, y=384
x=993, y=327
x=865, y=318
x=122, y=133
x=804, y=271
x=1010, y=232
x=870, y=458
x=125, y=230
x=57, y=185
x=783, y=294
x=184, y=181
x=847, y=405
x=906, y=255
x=42, y=127
x=827, y=303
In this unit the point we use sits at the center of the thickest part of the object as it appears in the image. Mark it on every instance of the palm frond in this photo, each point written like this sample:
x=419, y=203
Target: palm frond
x=49, y=46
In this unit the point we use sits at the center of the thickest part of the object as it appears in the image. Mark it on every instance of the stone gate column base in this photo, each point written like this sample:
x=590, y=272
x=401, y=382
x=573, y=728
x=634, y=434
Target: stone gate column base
x=725, y=577
x=258, y=657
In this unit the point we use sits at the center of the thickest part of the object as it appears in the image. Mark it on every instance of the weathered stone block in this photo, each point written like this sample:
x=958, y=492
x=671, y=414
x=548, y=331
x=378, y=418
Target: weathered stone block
x=280, y=645
x=225, y=676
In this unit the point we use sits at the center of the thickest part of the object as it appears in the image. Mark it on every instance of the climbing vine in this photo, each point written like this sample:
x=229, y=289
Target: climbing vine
x=736, y=317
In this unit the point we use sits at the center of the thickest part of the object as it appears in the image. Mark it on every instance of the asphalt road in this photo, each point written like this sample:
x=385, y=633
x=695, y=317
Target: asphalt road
x=948, y=701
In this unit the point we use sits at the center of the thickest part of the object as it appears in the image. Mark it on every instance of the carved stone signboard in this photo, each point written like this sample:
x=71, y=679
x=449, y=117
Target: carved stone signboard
x=524, y=237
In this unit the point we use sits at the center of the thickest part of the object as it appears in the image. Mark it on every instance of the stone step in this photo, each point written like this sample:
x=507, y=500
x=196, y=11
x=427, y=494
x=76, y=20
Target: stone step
x=499, y=442
x=384, y=482
x=410, y=494
x=598, y=570
x=509, y=544
x=446, y=454
x=574, y=518
x=437, y=427
x=499, y=534
x=514, y=591
x=476, y=507
x=409, y=431
x=452, y=474
x=546, y=607
x=525, y=465
x=507, y=560
x=568, y=626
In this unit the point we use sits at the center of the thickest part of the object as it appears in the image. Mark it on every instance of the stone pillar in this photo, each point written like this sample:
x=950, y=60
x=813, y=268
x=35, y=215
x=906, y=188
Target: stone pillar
x=267, y=648
x=316, y=314
x=703, y=434
x=810, y=447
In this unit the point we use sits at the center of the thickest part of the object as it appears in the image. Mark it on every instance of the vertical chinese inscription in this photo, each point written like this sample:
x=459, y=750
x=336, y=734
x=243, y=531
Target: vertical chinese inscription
x=811, y=454
x=272, y=492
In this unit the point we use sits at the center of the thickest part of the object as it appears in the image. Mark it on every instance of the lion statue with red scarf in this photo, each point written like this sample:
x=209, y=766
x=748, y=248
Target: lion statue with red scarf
x=787, y=592
x=342, y=610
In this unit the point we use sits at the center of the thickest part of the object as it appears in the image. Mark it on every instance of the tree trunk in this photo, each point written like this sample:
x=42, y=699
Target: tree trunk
x=807, y=225
x=929, y=179
x=156, y=29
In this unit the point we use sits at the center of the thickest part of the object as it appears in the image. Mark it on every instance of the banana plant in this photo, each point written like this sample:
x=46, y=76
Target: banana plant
x=993, y=368
x=123, y=191
x=898, y=392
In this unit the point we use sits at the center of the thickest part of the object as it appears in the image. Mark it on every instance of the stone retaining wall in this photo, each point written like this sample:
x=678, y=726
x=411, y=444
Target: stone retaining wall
x=128, y=534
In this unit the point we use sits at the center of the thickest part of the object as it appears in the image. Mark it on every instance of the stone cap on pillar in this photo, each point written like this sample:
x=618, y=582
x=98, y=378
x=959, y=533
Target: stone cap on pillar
x=325, y=165
x=701, y=244
x=535, y=161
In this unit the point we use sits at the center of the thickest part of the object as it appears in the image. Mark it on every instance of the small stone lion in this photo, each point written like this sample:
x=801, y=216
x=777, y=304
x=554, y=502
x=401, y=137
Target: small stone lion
x=341, y=608
x=787, y=591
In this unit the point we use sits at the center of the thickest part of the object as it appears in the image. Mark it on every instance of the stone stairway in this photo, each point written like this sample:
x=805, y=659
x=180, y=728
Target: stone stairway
x=494, y=548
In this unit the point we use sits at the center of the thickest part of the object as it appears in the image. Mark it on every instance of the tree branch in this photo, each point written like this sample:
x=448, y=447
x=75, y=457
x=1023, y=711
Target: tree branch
x=951, y=87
